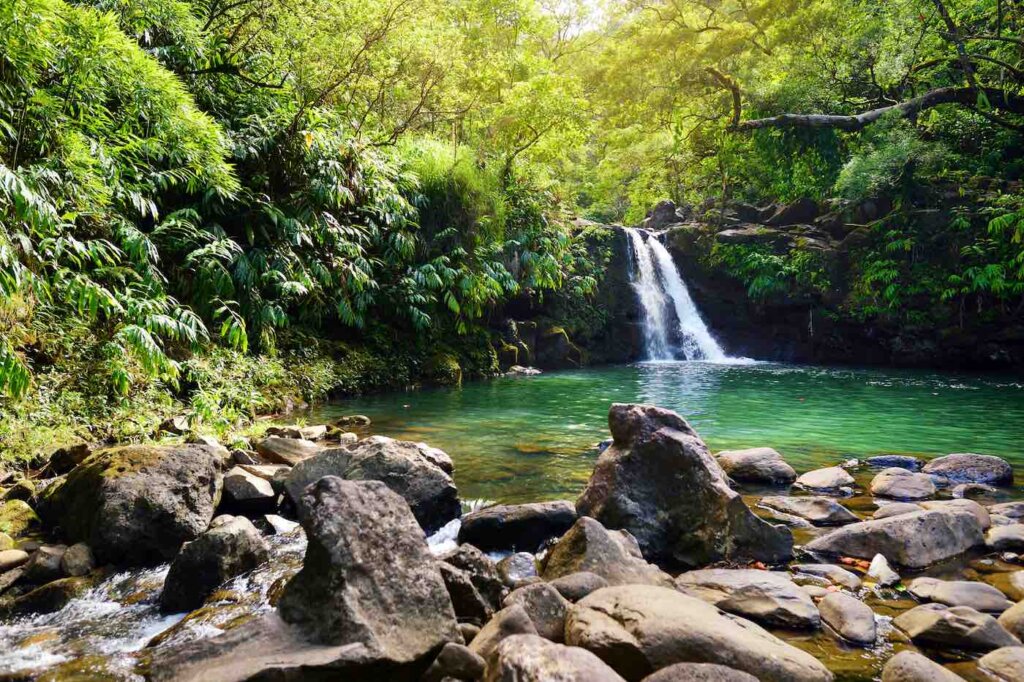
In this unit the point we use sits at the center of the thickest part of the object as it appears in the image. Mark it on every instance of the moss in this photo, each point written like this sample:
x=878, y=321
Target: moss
x=17, y=518
x=443, y=369
x=6, y=542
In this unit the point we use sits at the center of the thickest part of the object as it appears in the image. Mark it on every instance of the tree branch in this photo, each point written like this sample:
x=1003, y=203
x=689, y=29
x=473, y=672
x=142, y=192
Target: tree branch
x=732, y=86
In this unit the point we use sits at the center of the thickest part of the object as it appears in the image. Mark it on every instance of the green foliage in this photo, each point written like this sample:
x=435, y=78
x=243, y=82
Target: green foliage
x=891, y=156
x=767, y=274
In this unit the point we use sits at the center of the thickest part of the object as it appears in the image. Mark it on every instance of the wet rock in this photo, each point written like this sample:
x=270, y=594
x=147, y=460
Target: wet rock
x=545, y=607
x=821, y=511
x=369, y=603
x=511, y=620
x=913, y=540
x=756, y=465
x=902, y=484
x=517, y=568
x=895, y=509
x=226, y=550
x=481, y=571
x=49, y=598
x=984, y=518
x=44, y=564
x=1013, y=620
x=836, y=575
x=17, y=518
x=659, y=482
x=699, y=672
x=289, y=451
x=77, y=560
x=455, y=661
x=1006, y=538
x=880, y=571
x=518, y=527
x=910, y=666
x=1013, y=510
x=278, y=524
x=1006, y=664
x=138, y=504
x=958, y=627
x=612, y=555
x=413, y=470
x=12, y=558
x=766, y=597
x=972, y=468
x=529, y=658
x=468, y=603
x=245, y=493
x=979, y=596
x=829, y=478
x=901, y=461
x=576, y=586
x=637, y=629
x=850, y=618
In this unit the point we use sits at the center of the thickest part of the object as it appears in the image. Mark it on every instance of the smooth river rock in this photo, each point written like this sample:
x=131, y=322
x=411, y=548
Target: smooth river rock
x=699, y=672
x=612, y=555
x=910, y=666
x=829, y=478
x=1006, y=664
x=517, y=527
x=821, y=511
x=638, y=629
x=850, y=618
x=767, y=597
x=895, y=509
x=529, y=658
x=902, y=484
x=1008, y=538
x=659, y=482
x=959, y=627
x=984, y=518
x=756, y=465
x=289, y=451
x=971, y=468
x=576, y=586
x=1013, y=620
x=837, y=575
x=980, y=596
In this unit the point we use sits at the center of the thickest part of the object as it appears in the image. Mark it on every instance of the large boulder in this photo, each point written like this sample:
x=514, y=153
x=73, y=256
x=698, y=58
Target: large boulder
x=902, y=484
x=529, y=658
x=369, y=603
x=137, y=505
x=913, y=540
x=231, y=547
x=517, y=527
x=419, y=473
x=613, y=555
x=819, y=510
x=971, y=468
x=910, y=666
x=959, y=627
x=638, y=629
x=766, y=597
x=756, y=465
x=659, y=482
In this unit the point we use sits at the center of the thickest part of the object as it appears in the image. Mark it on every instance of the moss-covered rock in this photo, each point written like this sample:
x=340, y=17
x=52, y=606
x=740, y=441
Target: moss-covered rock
x=443, y=369
x=86, y=669
x=46, y=599
x=6, y=542
x=23, y=490
x=17, y=518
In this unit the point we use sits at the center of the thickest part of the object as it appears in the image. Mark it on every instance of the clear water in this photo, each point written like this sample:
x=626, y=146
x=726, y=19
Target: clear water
x=520, y=439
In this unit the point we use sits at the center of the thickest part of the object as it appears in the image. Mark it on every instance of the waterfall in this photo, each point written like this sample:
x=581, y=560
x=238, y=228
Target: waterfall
x=673, y=327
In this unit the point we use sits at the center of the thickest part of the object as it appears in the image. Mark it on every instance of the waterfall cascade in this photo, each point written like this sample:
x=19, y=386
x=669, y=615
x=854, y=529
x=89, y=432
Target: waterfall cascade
x=673, y=328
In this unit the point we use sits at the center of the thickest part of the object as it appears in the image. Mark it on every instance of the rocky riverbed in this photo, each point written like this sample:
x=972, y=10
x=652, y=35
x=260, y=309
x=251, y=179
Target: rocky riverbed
x=323, y=552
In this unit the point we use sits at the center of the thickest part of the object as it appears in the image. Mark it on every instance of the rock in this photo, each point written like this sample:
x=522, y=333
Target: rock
x=279, y=525
x=763, y=596
x=12, y=558
x=177, y=426
x=309, y=433
x=268, y=472
x=245, y=457
x=51, y=597
x=1013, y=620
x=1013, y=510
x=821, y=511
x=1006, y=538
x=576, y=586
x=612, y=555
x=659, y=482
x=756, y=465
x=226, y=550
x=45, y=564
x=455, y=661
x=545, y=607
x=66, y=458
x=17, y=518
x=834, y=574
x=910, y=666
x=481, y=571
x=895, y=509
x=23, y=489
x=637, y=629
x=971, y=468
x=369, y=603
x=979, y=596
x=6, y=542
x=959, y=627
x=519, y=527
x=699, y=672
x=517, y=568
x=901, y=484
x=963, y=490
x=245, y=493
x=801, y=211
x=901, y=461
x=529, y=658
x=207, y=440
x=413, y=470
x=352, y=420
x=77, y=560
x=913, y=540
x=468, y=603
x=469, y=631
x=289, y=451
x=815, y=592
x=830, y=478
x=511, y=620
x=1006, y=664
x=138, y=504
x=984, y=518
x=881, y=572
x=850, y=618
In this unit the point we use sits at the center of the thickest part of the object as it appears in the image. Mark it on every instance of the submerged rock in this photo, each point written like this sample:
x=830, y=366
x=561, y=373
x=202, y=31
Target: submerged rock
x=959, y=627
x=612, y=555
x=49, y=598
x=901, y=461
x=971, y=468
x=659, y=482
x=821, y=511
x=756, y=465
x=518, y=527
x=529, y=658
x=766, y=597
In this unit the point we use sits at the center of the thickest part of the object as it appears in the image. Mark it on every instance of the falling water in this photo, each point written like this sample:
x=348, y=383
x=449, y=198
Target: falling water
x=665, y=300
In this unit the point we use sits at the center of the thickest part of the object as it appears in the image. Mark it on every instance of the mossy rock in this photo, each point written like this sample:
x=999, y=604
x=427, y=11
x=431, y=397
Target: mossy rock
x=6, y=542
x=443, y=369
x=17, y=518
x=22, y=490
x=85, y=669
x=49, y=598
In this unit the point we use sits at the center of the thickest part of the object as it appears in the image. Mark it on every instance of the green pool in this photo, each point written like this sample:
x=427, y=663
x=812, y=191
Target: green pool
x=519, y=439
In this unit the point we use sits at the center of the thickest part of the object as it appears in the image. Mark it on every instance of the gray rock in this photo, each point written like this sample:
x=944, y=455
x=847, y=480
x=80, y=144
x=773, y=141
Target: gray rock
x=515, y=569
x=967, y=490
x=659, y=482
x=756, y=465
x=901, y=461
x=699, y=672
x=895, y=509
x=984, y=518
x=352, y=420
x=913, y=540
x=288, y=451
x=138, y=504
x=278, y=524
x=910, y=666
x=545, y=606
x=44, y=564
x=979, y=596
x=612, y=555
x=1013, y=620
x=829, y=478
x=511, y=620
x=902, y=484
x=880, y=571
x=1006, y=664
x=481, y=571
x=310, y=433
x=837, y=575
x=1013, y=510
x=77, y=560
x=246, y=493
x=228, y=549
x=971, y=468
x=517, y=527
x=468, y=603
x=1006, y=538
x=765, y=597
x=455, y=661
x=637, y=629
x=576, y=586
x=850, y=618
x=958, y=627
x=821, y=511
x=529, y=658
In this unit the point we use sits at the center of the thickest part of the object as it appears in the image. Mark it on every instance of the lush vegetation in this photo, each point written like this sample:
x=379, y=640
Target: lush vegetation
x=193, y=192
